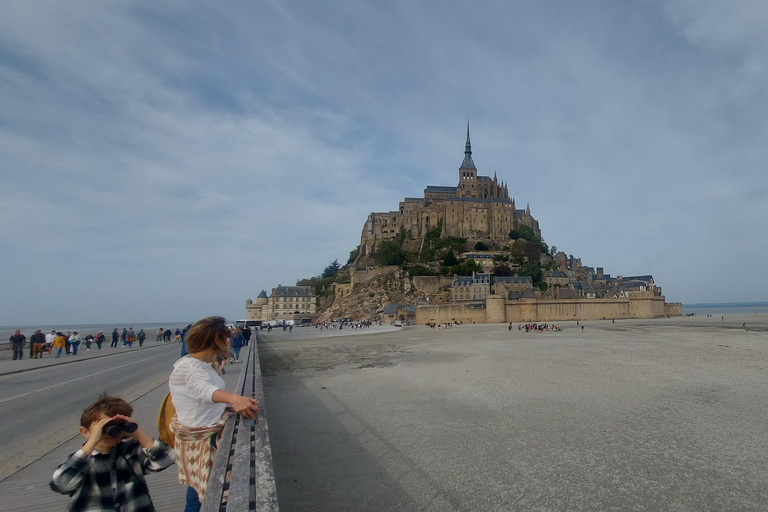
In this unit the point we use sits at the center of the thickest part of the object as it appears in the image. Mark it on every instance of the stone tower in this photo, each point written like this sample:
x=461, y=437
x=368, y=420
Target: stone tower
x=468, y=184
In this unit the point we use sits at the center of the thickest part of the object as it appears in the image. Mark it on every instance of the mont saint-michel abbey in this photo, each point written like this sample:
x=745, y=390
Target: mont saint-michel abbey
x=478, y=208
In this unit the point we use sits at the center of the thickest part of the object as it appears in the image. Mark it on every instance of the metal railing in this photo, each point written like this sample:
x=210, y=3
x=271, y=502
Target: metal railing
x=242, y=477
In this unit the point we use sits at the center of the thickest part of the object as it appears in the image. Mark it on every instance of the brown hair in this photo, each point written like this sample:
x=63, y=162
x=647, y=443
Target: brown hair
x=210, y=332
x=109, y=405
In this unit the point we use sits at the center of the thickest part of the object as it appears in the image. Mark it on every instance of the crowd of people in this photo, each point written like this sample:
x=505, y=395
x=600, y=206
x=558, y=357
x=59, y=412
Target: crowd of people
x=341, y=324
x=536, y=327
x=58, y=343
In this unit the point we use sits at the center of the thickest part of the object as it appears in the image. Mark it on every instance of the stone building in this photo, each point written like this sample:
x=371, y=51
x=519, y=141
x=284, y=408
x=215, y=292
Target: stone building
x=284, y=303
x=474, y=288
x=479, y=208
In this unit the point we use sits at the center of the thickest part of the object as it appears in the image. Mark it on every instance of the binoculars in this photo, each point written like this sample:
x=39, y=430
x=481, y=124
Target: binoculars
x=115, y=428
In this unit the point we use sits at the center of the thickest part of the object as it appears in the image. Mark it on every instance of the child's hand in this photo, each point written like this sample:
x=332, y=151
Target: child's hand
x=97, y=430
x=245, y=406
x=95, y=435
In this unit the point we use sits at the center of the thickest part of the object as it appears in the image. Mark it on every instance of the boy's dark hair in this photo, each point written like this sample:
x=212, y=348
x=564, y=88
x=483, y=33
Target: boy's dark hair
x=109, y=405
x=210, y=332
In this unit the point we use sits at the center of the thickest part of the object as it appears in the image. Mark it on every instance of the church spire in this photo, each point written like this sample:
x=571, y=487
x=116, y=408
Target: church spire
x=468, y=163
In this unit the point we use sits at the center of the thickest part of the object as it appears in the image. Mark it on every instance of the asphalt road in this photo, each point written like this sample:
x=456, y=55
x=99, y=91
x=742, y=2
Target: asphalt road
x=40, y=408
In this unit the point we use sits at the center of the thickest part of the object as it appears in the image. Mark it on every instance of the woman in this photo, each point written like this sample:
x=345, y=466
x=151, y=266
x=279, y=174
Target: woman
x=200, y=400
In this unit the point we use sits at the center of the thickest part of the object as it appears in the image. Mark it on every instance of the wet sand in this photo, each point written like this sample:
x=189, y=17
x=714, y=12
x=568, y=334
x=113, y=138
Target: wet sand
x=666, y=414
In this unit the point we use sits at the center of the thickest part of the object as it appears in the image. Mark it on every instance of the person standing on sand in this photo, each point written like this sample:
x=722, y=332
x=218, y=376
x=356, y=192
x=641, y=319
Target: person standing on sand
x=141, y=337
x=123, y=336
x=159, y=334
x=115, y=337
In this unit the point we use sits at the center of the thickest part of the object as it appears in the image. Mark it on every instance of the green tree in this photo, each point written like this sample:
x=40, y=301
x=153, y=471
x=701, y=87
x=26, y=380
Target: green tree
x=332, y=269
x=421, y=270
x=466, y=268
x=502, y=270
x=389, y=253
x=533, y=270
x=480, y=246
x=449, y=259
x=524, y=251
x=524, y=232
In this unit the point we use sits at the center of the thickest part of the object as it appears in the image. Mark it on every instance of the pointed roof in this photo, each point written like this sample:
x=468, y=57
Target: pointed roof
x=262, y=295
x=468, y=164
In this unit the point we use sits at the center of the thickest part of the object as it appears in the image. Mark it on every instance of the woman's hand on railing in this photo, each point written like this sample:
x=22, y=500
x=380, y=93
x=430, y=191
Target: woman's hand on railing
x=247, y=407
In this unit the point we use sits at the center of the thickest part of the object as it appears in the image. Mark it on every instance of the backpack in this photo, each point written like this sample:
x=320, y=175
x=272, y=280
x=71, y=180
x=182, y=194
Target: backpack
x=164, y=416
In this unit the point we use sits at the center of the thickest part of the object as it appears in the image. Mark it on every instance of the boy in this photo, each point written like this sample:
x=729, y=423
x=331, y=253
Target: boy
x=107, y=473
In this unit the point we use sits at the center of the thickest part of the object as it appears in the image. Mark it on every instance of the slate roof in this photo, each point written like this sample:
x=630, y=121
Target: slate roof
x=469, y=280
x=262, y=295
x=513, y=279
x=390, y=309
x=647, y=278
x=555, y=274
x=293, y=291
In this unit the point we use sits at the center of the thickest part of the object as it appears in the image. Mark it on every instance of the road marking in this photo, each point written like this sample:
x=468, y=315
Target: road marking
x=58, y=384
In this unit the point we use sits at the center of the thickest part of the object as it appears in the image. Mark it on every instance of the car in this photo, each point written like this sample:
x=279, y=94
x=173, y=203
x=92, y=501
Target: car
x=397, y=323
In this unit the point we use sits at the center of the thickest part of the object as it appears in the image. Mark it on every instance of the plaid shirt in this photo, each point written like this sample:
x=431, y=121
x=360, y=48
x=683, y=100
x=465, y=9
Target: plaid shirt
x=111, y=481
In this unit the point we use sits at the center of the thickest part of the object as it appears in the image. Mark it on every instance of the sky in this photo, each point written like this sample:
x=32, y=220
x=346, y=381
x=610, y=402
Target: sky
x=169, y=160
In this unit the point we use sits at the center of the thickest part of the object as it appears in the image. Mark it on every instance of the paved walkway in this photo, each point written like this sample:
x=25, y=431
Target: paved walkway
x=27, y=490
x=9, y=366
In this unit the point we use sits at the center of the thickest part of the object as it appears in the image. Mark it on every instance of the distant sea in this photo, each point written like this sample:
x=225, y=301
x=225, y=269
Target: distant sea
x=82, y=329
x=726, y=308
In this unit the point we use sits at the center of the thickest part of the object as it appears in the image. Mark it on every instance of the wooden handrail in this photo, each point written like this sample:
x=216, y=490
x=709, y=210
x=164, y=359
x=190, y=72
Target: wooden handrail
x=242, y=477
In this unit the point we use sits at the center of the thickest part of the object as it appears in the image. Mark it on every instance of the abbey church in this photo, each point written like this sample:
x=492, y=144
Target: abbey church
x=478, y=208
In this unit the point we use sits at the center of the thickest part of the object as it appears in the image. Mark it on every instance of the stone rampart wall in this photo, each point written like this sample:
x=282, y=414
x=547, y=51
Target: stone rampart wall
x=445, y=313
x=366, y=274
x=432, y=284
x=673, y=309
x=538, y=310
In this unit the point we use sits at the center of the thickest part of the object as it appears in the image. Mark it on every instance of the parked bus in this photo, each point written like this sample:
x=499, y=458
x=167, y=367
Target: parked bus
x=242, y=324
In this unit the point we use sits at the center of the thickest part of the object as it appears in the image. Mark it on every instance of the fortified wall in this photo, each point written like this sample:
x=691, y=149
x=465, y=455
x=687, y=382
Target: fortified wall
x=499, y=310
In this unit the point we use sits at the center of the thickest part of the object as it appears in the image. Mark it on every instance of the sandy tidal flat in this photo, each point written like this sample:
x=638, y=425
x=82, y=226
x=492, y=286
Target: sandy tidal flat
x=665, y=414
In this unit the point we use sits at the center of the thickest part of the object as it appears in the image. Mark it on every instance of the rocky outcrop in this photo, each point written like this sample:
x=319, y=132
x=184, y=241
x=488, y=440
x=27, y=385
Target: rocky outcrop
x=368, y=299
